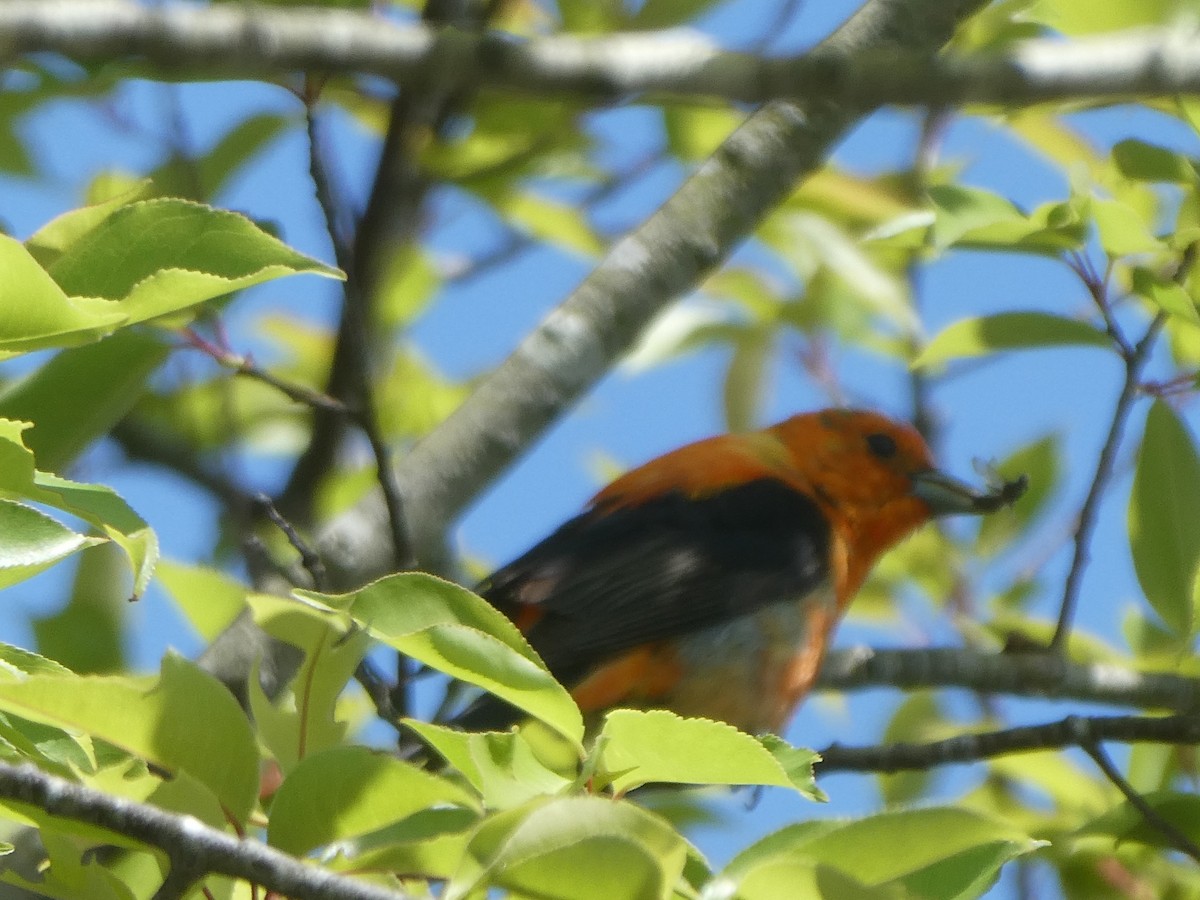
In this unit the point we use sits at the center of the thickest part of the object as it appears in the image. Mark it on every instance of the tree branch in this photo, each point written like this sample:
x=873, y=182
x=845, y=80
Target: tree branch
x=1021, y=674
x=197, y=847
x=1135, y=357
x=1181, y=841
x=235, y=41
x=1073, y=731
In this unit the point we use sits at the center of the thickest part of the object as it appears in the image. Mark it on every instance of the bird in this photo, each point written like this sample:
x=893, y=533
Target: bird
x=709, y=580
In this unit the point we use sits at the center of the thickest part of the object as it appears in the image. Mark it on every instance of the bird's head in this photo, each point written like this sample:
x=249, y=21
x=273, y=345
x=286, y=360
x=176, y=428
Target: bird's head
x=875, y=477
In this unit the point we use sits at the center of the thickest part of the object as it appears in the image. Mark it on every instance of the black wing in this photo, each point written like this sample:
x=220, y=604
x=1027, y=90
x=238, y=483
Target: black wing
x=608, y=581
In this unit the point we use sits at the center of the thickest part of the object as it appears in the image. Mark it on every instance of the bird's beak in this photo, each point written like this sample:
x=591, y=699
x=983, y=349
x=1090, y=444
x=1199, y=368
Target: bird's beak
x=947, y=496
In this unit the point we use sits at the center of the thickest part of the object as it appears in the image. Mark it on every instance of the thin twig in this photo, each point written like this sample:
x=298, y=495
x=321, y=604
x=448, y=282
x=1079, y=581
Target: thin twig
x=1072, y=731
x=245, y=366
x=140, y=441
x=1156, y=821
x=309, y=558
x=318, y=171
x=1135, y=356
x=381, y=692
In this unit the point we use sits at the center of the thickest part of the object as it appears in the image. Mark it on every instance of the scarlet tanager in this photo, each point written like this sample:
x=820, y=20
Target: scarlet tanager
x=709, y=580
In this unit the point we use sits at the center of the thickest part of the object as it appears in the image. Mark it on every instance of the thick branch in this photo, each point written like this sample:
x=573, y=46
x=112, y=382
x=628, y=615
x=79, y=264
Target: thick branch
x=1019, y=674
x=1073, y=731
x=200, y=849
x=236, y=41
x=668, y=254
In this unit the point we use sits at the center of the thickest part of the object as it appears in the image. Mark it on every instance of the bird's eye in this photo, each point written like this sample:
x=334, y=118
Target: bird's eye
x=882, y=445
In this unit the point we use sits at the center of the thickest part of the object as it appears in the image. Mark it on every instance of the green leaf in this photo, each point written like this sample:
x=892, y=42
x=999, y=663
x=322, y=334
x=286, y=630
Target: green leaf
x=86, y=635
x=1006, y=331
x=917, y=719
x=50, y=241
x=306, y=721
x=102, y=507
x=348, y=792
x=450, y=629
x=95, y=504
x=573, y=848
x=427, y=844
x=1125, y=823
x=973, y=218
x=669, y=13
x=552, y=221
x=940, y=853
x=81, y=393
x=209, y=599
x=960, y=210
x=1121, y=229
x=204, y=177
x=592, y=16
x=162, y=256
x=831, y=248
x=33, y=542
x=694, y=131
x=36, y=314
x=1166, y=293
x=1150, y=162
x=638, y=748
x=743, y=388
x=1163, y=537
x=185, y=719
x=501, y=766
x=1075, y=18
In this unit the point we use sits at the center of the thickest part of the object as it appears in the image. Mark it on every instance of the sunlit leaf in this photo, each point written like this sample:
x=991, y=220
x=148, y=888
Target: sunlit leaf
x=36, y=314
x=502, y=766
x=33, y=542
x=658, y=746
x=161, y=256
x=1122, y=230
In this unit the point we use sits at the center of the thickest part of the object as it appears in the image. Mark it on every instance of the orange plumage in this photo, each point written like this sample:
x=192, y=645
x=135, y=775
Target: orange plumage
x=709, y=580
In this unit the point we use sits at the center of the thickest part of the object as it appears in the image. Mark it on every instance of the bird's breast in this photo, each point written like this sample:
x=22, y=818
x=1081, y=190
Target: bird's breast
x=750, y=672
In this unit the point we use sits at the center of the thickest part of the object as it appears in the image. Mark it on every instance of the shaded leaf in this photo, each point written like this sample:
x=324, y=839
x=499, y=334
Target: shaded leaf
x=81, y=393
x=184, y=719
x=1007, y=331
x=573, y=848
x=1163, y=536
x=347, y=792
x=87, y=635
x=934, y=853
x=1151, y=162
